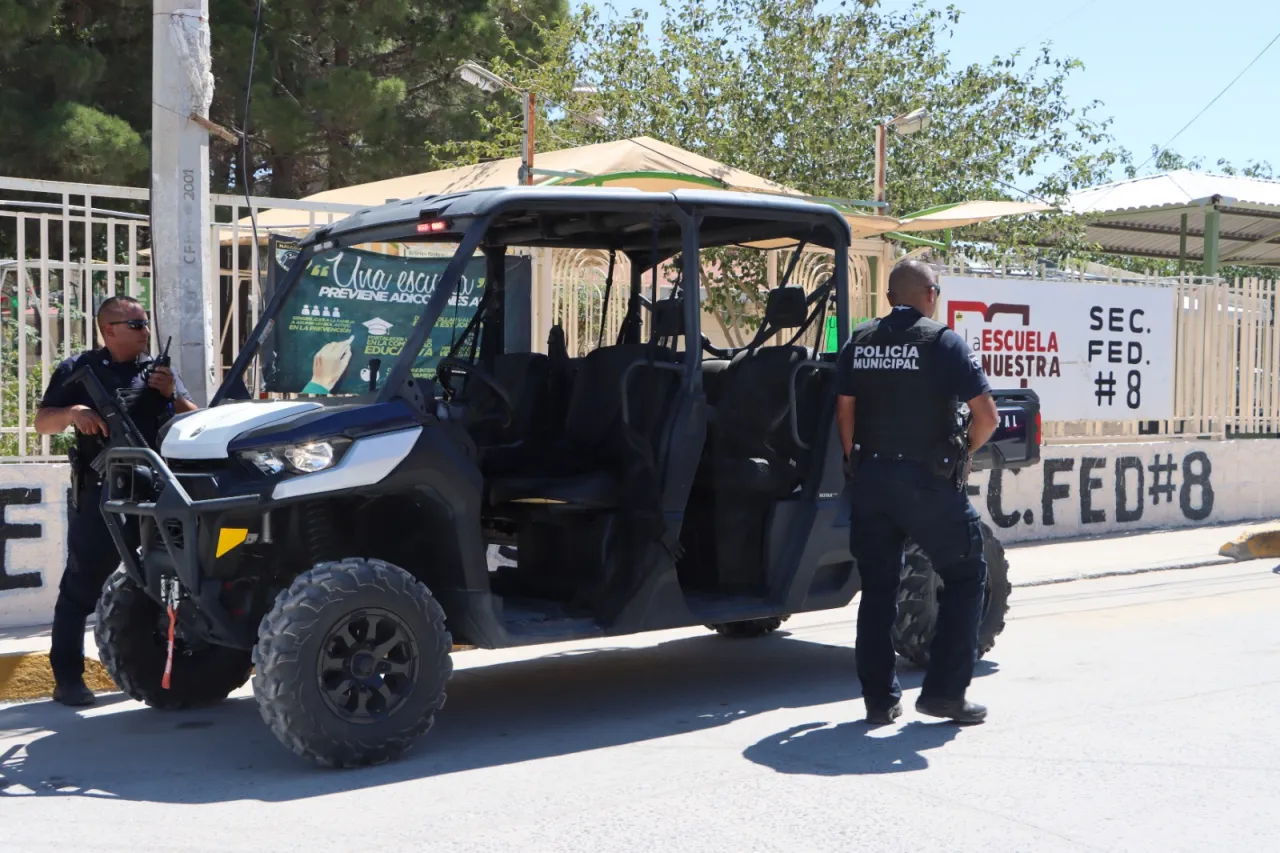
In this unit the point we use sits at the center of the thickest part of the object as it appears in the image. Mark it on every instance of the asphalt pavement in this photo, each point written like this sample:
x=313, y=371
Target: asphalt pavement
x=1128, y=713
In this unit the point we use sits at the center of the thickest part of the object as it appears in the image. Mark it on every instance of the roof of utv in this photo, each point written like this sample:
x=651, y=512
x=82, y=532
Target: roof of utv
x=596, y=218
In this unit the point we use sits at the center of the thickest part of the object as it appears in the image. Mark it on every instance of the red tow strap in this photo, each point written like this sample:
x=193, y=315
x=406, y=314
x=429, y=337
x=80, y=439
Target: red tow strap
x=168, y=664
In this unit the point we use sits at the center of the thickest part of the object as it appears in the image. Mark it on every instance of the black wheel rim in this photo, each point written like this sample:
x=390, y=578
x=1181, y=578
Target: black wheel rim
x=368, y=666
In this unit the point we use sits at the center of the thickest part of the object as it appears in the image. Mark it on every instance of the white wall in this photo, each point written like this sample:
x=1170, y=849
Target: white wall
x=1086, y=490
x=33, y=534
x=1073, y=492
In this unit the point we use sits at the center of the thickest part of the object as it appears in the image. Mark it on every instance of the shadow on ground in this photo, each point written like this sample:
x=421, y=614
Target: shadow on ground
x=501, y=714
x=820, y=749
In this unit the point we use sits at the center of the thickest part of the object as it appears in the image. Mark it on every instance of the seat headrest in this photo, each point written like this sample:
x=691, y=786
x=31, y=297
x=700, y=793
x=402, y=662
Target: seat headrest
x=668, y=318
x=786, y=308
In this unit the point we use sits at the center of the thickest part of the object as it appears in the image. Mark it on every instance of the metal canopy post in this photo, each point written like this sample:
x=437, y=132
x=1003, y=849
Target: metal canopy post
x=1182, y=244
x=1212, y=223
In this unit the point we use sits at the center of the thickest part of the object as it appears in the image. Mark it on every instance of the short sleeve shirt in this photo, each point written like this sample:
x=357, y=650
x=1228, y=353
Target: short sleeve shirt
x=114, y=375
x=958, y=368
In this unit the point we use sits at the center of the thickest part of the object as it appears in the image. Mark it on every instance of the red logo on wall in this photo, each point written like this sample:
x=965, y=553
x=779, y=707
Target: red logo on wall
x=1007, y=352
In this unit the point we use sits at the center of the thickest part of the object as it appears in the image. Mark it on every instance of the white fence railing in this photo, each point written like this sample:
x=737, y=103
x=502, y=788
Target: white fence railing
x=65, y=247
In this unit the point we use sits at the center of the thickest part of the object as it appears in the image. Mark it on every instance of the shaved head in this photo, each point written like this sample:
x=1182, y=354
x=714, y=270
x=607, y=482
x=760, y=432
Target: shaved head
x=912, y=282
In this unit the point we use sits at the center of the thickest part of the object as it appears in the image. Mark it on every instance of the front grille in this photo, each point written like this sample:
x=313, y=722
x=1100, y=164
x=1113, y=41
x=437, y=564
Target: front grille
x=174, y=528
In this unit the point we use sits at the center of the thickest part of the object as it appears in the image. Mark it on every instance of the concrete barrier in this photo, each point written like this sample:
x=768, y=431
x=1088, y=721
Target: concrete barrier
x=1076, y=490
x=1092, y=489
x=33, y=535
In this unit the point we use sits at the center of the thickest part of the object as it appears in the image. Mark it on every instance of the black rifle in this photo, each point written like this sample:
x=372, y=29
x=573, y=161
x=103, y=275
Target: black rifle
x=121, y=429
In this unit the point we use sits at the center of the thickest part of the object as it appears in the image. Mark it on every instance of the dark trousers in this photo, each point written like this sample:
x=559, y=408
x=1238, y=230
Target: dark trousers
x=91, y=558
x=892, y=501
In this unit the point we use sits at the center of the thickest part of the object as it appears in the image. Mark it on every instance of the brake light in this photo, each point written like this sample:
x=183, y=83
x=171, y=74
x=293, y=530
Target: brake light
x=435, y=226
x=1038, y=441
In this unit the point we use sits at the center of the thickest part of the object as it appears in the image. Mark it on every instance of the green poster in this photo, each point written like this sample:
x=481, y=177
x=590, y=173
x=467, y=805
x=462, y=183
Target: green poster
x=351, y=306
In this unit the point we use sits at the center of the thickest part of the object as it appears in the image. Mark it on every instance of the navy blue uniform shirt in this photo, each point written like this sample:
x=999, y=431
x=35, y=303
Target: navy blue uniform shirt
x=959, y=369
x=114, y=375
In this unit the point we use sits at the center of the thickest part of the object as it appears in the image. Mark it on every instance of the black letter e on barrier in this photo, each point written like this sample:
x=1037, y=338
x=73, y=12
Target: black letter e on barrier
x=10, y=530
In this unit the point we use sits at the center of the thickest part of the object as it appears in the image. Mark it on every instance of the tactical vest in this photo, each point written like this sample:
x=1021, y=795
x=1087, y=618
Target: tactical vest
x=899, y=409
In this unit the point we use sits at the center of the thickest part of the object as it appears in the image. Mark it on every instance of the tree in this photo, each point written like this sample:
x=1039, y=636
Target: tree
x=345, y=91
x=75, y=97
x=349, y=91
x=780, y=89
x=1166, y=160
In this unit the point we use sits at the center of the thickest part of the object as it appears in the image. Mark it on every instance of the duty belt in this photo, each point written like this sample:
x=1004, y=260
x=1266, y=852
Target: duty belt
x=894, y=455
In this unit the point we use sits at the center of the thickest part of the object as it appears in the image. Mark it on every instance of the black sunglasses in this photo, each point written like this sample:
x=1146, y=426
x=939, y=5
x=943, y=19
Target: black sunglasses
x=135, y=324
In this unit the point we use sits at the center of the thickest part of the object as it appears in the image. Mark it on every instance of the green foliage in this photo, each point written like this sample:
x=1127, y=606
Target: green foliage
x=348, y=92
x=75, y=90
x=10, y=393
x=1170, y=161
x=345, y=91
x=793, y=94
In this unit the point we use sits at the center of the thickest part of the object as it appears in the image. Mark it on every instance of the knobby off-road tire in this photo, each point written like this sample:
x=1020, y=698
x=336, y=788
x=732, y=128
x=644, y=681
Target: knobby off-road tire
x=918, y=601
x=352, y=663
x=749, y=627
x=132, y=643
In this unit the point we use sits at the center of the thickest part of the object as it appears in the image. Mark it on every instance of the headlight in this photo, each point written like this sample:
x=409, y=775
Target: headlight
x=299, y=458
x=309, y=458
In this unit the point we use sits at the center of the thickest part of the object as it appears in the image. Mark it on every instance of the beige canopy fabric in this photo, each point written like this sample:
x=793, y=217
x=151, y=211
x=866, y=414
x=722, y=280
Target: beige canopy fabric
x=640, y=162
x=967, y=213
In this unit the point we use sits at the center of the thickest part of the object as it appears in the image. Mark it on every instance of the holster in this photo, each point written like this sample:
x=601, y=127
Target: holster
x=949, y=461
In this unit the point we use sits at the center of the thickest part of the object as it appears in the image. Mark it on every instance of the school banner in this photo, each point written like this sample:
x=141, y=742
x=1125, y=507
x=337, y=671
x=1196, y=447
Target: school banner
x=351, y=306
x=1090, y=351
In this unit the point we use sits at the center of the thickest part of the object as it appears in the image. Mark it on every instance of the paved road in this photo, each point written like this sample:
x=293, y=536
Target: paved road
x=1128, y=713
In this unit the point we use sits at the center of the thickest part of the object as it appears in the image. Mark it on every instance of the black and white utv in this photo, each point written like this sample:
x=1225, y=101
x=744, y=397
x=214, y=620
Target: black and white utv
x=336, y=547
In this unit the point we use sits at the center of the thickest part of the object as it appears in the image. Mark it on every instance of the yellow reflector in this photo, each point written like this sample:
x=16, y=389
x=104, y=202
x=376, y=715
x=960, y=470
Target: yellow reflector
x=230, y=537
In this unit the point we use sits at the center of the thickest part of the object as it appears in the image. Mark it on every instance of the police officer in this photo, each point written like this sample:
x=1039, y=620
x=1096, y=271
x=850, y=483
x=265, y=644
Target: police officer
x=900, y=380
x=91, y=553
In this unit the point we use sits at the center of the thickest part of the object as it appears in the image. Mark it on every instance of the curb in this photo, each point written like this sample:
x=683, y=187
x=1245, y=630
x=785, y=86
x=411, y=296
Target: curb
x=1261, y=542
x=1199, y=563
x=26, y=676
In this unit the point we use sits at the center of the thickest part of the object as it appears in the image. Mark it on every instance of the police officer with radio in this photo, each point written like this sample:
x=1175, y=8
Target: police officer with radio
x=122, y=363
x=900, y=382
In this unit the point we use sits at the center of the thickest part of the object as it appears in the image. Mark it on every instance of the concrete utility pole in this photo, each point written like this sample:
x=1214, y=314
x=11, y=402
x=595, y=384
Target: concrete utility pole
x=181, y=262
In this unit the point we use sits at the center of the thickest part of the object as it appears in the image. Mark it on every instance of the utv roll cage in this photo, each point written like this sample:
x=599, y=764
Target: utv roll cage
x=656, y=227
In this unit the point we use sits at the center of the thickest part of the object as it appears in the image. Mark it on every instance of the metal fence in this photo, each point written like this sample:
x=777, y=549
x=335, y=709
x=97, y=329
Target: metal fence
x=65, y=247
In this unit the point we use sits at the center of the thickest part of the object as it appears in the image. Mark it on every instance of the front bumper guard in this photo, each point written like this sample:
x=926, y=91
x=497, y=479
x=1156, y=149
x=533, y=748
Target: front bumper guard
x=171, y=505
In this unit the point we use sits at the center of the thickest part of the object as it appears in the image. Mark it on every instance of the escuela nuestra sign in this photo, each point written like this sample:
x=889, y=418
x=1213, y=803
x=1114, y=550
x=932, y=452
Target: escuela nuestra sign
x=1090, y=351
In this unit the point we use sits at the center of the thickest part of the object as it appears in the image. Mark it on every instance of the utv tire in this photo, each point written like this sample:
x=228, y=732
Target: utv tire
x=352, y=663
x=749, y=628
x=918, y=601
x=132, y=639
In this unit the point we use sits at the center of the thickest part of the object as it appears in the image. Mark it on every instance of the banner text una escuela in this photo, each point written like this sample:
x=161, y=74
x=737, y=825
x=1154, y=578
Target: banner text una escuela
x=371, y=300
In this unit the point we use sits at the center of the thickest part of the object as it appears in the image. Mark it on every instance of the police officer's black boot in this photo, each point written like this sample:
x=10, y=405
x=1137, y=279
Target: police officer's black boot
x=66, y=652
x=959, y=710
x=881, y=716
x=73, y=693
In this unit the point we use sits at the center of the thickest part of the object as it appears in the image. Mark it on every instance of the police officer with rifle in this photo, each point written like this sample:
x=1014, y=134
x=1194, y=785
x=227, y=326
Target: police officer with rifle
x=900, y=382
x=151, y=393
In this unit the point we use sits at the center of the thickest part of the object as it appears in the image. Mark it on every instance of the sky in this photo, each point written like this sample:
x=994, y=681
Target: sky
x=1153, y=63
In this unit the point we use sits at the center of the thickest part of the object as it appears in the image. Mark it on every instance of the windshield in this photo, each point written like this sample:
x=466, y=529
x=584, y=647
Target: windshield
x=350, y=313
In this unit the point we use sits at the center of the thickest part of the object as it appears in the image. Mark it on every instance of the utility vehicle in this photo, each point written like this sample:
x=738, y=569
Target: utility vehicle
x=337, y=546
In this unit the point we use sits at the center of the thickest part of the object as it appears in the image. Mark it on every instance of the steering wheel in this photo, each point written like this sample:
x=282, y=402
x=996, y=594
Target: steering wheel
x=445, y=371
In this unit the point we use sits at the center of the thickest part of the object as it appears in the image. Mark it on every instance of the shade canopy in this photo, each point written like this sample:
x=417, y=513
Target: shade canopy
x=1196, y=216
x=967, y=213
x=640, y=162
